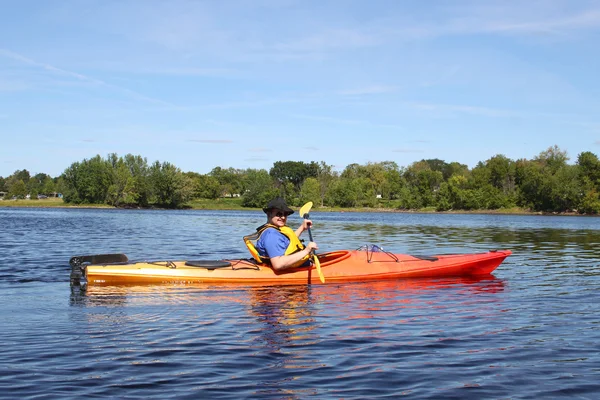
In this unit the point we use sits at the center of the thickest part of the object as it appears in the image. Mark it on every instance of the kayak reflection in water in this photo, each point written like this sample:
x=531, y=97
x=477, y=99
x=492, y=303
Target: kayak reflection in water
x=277, y=244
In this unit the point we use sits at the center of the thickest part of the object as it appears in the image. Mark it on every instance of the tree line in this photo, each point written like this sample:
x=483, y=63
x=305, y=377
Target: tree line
x=546, y=183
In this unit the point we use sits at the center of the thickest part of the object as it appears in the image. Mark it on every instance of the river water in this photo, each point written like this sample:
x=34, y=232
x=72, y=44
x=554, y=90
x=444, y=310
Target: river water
x=531, y=331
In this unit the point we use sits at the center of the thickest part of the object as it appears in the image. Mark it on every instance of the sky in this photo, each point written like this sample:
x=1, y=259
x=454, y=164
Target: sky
x=246, y=83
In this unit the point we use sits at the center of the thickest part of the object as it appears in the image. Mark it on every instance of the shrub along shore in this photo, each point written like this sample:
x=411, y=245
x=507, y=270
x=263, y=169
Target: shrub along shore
x=235, y=204
x=544, y=184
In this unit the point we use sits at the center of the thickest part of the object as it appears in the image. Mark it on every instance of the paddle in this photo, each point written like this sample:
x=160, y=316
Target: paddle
x=304, y=214
x=98, y=259
x=78, y=269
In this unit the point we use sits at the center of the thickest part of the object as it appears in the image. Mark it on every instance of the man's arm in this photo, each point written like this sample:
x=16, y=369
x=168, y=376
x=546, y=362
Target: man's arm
x=283, y=262
x=305, y=224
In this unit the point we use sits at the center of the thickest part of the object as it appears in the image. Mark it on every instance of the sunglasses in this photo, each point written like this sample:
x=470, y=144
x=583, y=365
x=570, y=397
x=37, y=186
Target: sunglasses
x=281, y=214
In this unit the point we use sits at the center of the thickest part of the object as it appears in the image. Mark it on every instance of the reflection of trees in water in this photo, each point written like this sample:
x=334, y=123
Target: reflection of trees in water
x=433, y=239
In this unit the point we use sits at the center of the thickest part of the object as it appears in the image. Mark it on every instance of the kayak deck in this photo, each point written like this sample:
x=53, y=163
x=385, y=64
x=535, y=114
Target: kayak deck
x=337, y=266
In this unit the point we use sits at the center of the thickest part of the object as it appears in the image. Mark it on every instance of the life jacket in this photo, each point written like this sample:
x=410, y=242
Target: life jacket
x=294, y=246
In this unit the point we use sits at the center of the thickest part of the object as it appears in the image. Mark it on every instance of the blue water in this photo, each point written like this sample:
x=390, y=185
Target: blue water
x=532, y=331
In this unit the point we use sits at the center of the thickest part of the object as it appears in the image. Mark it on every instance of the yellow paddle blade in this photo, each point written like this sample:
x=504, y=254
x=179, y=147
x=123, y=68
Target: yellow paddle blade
x=305, y=209
x=318, y=265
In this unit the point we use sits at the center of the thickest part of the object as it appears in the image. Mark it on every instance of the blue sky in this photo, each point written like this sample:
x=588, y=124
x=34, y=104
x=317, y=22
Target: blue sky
x=243, y=84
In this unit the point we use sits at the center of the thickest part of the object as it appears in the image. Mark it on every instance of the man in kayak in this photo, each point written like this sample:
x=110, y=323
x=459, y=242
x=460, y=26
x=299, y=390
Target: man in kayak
x=277, y=243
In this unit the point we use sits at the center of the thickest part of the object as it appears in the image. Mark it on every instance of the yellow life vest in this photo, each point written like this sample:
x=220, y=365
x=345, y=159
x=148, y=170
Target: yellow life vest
x=294, y=246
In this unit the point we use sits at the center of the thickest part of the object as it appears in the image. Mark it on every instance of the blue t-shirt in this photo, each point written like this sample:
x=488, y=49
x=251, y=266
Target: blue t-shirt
x=272, y=243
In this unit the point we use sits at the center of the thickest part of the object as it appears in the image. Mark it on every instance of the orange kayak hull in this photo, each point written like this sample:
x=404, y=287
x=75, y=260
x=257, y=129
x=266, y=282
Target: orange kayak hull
x=338, y=266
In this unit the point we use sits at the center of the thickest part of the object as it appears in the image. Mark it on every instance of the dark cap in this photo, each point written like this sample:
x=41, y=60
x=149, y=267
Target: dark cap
x=279, y=204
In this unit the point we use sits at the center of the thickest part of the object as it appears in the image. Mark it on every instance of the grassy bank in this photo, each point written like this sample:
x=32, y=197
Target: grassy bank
x=236, y=204
x=47, y=203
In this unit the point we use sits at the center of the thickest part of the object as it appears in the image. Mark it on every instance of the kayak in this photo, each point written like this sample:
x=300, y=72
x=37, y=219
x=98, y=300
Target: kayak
x=370, y=263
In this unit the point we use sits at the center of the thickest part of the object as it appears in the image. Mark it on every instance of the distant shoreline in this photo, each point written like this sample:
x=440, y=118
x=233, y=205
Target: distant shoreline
x=229, y=206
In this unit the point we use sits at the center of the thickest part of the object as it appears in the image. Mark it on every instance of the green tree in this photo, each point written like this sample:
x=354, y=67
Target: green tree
x=326, y=176
x=547, y=183
x=121, y=189
x=61, y=185
x=409, y=198
x=455, y=168
x=426, y=181
x=205, y=186
x=376, y=173
x=590, y=203
x=394, y=182
x=49, y=187
x=229, y=179
x=170, y=188
x=552, y=159
x=589, y=178
x=140, y=171
x=294, y=172
x=36, y=184
x=353, y=192
x=17, y=189
x=502, y=173
x=454, y=194
x=87, y=181
x=589, y=169
x=260, y=189
x=310, y=191
x=18, y=175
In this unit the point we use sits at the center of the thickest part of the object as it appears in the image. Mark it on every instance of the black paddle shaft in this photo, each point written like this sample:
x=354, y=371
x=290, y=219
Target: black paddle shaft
x=309, y=232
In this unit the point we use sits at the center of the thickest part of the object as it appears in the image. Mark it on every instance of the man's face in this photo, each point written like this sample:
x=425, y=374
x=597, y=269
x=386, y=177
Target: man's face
x=277, y=217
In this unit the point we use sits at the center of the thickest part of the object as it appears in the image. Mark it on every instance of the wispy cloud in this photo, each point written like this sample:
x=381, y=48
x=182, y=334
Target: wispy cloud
x=343, y=121
x=505, y=17
x=192, y=71
x=329, y=39
x=465, y=109
x=311, y=148
x=211, y=141
x=407, y=150
x=80, y=77
x=553, y=24
x=260, y=150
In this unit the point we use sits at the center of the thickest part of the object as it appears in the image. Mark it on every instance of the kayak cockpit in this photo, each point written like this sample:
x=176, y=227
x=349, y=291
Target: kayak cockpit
x=333, y=257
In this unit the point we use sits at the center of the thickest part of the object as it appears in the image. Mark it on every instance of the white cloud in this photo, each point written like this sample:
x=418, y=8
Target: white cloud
x=25, y=60
x=211, y=141
x=439, y=109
